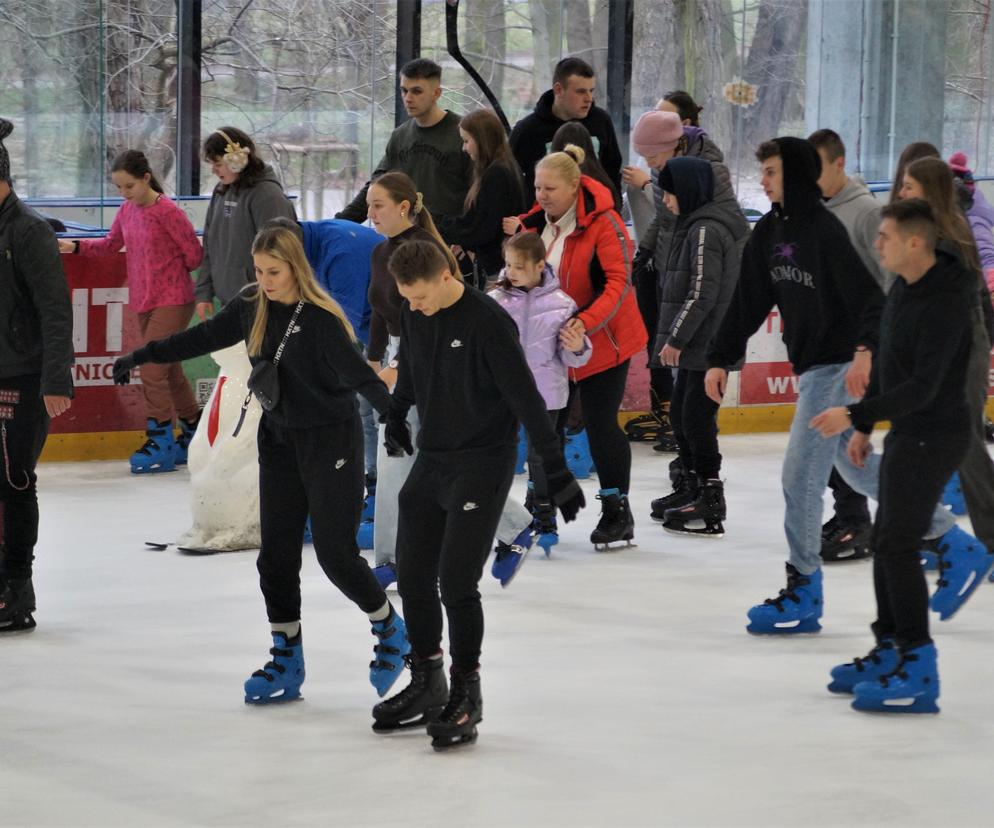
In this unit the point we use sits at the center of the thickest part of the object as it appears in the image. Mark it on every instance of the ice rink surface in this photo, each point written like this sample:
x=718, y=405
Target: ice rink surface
x=619, y=689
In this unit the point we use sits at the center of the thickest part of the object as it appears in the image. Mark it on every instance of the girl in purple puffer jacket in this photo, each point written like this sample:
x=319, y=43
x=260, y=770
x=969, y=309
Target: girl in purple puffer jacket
x=528, y=290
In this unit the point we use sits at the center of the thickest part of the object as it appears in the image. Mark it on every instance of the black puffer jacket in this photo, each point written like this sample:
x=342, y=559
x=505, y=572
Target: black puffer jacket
x=35, y=311
x=703, y=265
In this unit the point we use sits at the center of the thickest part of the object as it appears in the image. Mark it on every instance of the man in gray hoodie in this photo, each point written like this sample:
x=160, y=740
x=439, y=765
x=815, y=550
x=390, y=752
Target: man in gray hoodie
x=846, y=535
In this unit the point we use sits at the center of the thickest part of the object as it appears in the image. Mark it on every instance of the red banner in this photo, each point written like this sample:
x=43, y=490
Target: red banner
x=103, y=328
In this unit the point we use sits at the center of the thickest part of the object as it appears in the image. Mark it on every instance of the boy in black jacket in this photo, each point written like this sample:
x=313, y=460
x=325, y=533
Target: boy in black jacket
x=462, y=365
x=918, y=384
x=800, y=259
x=35, y=382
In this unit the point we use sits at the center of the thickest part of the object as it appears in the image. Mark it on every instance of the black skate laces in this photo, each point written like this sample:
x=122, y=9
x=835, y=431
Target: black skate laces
x=274, y=666
x=788, y=593
x=872, y=657
x=458, y=702
x=899, y=671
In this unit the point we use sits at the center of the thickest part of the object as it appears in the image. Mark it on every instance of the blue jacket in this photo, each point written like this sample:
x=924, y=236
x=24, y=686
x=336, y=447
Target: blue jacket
x=339, y=252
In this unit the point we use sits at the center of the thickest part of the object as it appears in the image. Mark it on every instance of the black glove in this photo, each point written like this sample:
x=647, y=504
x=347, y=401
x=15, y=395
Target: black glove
x=643, y=265
x=396, y=433
x=564, y=490
x=123, y=366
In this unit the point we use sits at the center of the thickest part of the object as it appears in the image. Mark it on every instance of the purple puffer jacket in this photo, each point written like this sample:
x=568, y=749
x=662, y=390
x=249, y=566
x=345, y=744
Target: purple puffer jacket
x=981, y=217
x=540, y=314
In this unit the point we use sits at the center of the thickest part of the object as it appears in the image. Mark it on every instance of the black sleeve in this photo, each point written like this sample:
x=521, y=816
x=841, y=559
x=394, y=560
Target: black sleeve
x=356, y=210
x=345, y=359
x=611, y=156
x=499, y=195
x=37, y=258
x=939, y=337
x=220, y=331
x=515, y=381
x=859, y=289
x=379, y=336
x=525, y=155
x=751, y=304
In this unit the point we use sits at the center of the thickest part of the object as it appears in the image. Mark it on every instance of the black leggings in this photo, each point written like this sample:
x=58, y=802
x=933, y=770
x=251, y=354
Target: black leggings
x=600, y=401
x=536, y=473
x=26, y=426
x=449, y=510
x=660, y=379
x=694, y=416
x=319, y=470
x=913, y=472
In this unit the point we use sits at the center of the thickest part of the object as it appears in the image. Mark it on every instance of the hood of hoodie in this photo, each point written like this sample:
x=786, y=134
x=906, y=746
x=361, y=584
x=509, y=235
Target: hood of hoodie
x=549, y=283
x=801, y=171
x=855, y=188
x=691, y=180
x=700, y=145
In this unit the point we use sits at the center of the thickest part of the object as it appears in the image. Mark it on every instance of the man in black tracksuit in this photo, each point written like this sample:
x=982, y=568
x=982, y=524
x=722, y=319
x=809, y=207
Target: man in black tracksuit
x=462, y=365
x=35, y=382
x=918, y=384
x=570, y=99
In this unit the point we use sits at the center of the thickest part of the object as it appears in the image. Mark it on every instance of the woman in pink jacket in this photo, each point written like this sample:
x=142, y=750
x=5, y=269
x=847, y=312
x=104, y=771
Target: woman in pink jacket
x=529, y=291
x=162, y=250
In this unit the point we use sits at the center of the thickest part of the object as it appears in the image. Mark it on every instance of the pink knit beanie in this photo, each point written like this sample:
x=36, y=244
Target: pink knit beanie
x=656, y=131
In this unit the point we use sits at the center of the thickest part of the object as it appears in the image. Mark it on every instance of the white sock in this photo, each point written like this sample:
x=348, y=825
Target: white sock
x=382, y=614
x=290, y=629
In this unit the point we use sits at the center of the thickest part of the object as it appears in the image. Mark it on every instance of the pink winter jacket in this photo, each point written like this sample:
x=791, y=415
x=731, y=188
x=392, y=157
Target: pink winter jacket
x=540, y=314
x=162, y=250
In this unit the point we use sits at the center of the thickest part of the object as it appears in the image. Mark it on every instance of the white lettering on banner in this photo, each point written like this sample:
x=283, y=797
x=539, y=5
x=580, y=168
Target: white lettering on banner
x=783, y=385
x=114, y=299
x=96, y=370
x=766, y=345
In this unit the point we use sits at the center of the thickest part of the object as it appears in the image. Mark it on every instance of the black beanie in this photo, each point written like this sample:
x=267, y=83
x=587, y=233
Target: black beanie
x=6, y=127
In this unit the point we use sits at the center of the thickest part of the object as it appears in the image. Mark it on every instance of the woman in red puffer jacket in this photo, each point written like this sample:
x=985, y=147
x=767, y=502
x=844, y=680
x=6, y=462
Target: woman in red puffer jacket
x=587, y=245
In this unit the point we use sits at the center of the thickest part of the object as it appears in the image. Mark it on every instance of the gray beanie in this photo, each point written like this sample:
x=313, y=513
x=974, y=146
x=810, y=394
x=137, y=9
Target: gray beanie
x=6, y=127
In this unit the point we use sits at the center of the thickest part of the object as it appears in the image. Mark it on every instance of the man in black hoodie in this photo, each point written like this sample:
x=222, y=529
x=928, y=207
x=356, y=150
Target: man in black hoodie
x=800, y=259
x=570, y=99
x=918, y=384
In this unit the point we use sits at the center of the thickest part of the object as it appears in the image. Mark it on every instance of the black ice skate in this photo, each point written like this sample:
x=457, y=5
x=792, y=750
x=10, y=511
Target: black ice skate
x=841, y=542
x=17, y=602
x=456, y=726
x=703, y=517
x=685, y=489
x=418, y=703
x=653, y=426
x=616, y=525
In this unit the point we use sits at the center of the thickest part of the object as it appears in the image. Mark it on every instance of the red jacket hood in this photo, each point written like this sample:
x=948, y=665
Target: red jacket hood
x=592, y=200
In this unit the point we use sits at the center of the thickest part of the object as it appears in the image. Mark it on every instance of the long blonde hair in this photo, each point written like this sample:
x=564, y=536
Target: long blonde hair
x=283, y=244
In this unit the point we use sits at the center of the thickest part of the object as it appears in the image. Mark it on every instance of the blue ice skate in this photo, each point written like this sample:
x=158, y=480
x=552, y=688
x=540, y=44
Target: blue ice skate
x=795, y=610
x=159, y=452
x=963, y=564
x=308, y=532
x=912, y=687
x=386, y=574
x=280, y=679
x=519, y=467
x=388, y=654
x=880, y=661
x=578, y=457
x=364, y=537
x=186, y=432
x=509, y=558
x=952, y=496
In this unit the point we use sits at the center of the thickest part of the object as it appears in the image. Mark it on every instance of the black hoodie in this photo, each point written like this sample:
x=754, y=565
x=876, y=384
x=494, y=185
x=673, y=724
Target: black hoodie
x=800, y=259
x=919, y=375
x=531, y=139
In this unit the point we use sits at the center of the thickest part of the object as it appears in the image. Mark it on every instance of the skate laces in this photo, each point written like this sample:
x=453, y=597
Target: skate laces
x=788, y=593
x=899, y=671
x=274, y=666
x=458, y=698
x=872, y=657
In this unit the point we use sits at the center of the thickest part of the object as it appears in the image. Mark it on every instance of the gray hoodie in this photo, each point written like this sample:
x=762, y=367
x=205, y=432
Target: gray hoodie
x=855, y=206
x=234, y=216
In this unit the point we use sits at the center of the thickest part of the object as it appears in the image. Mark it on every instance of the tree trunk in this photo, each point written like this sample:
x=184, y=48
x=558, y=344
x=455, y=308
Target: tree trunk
x=659, y=67
x=546, y=41
x=704, y=67
x=770, y=66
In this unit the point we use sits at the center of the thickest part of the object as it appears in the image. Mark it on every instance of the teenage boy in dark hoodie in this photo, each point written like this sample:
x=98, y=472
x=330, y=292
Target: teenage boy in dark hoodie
x=918, y=383
x=800, y=259
x=695, y=291
x=570, y=99
x=462, y=366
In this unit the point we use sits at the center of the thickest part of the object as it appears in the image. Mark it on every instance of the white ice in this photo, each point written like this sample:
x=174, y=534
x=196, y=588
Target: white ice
x=620, y=689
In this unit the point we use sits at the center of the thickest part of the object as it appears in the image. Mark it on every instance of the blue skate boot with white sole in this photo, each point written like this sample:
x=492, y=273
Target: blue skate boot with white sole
x=795, y=610
x=386, y=574
x=952, y=496
x=579, y=460
x=508, y=558
x=963, y=565
x=912, y=687
x=159, y=452
x=388, y=654
x=280, y=679
x=880, y=661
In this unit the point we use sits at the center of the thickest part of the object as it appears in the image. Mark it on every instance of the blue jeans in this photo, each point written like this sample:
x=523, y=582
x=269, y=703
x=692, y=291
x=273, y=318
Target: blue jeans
x=370, y=432
x=808, y=464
